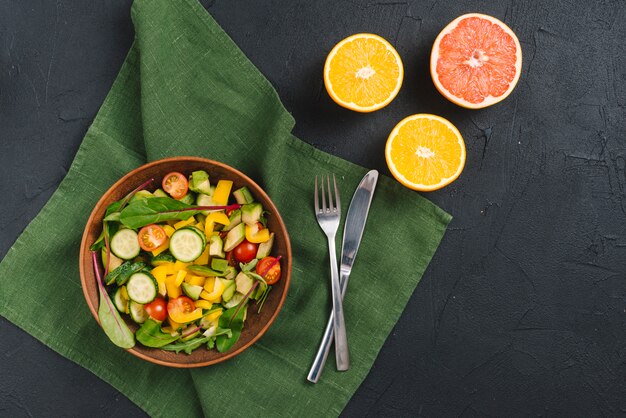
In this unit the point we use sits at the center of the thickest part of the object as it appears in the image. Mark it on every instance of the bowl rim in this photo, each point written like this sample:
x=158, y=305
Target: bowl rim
x=84, y=251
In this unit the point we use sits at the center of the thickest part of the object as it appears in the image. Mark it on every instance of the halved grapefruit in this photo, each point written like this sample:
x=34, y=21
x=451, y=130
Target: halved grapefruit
x=476, y=61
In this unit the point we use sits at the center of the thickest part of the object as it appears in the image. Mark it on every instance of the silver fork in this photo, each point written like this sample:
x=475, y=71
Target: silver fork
x=328, y=217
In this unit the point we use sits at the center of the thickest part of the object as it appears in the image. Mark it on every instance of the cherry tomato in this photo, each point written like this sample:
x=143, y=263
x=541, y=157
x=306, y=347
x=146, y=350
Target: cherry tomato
x=269, y=269
x=157, y=309
x=151, y=237
x=245, y=252
x=175, y=184
x=230, y=257
x=180, y=306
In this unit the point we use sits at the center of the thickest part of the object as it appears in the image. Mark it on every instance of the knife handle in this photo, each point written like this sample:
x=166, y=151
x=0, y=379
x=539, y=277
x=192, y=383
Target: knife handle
x=327, y=340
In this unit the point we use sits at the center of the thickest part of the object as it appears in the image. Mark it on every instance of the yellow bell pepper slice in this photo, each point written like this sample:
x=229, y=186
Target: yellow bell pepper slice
x=179, y=265
x=214, y=315
x=162, y=288
x=255, y=236
x=213, y=218
x=203, y=304
x=206, y=296
x=168, y=268
x=183, y=318
x=175, y=325
x=169, y=231
x=214, y=288
x=180, y=277
x=162, y=248
x=222, y=191
x=183, y=224
x=124, y=293
x=218, y=218
x=160, y=272
x=195, y=280
x=204, y=257
x=173, y=291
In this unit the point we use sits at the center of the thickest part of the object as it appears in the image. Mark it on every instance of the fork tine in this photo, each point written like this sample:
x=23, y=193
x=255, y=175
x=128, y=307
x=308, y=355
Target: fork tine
x=330, y=195
x=323, y=196
x=317, y=201
x=337, y=201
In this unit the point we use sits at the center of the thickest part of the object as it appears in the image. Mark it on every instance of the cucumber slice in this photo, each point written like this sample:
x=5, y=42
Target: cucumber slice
x=120, y=302
x=187, y=244
x=197, y=231
x=142, y=287
x=137, y=312
x=161, y=259
x=125, y=244
x=121, y=274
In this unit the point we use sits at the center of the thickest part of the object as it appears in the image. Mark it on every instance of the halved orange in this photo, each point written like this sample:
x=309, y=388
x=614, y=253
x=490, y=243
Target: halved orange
x=476, y=61
x=363, y=73
x=425, y=152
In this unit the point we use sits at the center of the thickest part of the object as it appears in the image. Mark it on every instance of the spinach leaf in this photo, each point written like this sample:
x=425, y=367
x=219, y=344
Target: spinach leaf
x=186, y=346
x=99, y=243
x=158, y=209
x=112, y=323
x=190, y=345
x=113, y=208
x=150, y=335
x=233, y=319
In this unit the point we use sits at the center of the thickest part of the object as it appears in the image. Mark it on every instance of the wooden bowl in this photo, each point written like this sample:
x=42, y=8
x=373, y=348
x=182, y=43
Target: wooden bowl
x=256, y=324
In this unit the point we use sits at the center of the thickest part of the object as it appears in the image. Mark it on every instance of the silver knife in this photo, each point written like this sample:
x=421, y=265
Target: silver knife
x=352, y=233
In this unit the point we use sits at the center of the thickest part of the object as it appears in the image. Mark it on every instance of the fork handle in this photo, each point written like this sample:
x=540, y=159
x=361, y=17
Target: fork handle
x=342, y=356
x=322, y=352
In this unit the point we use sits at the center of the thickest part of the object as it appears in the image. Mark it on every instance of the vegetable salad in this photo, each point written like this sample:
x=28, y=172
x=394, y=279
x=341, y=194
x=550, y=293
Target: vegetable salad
x=185, y=262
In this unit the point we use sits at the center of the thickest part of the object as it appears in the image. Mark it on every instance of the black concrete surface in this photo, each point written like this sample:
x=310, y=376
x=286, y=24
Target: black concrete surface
x=522, y=311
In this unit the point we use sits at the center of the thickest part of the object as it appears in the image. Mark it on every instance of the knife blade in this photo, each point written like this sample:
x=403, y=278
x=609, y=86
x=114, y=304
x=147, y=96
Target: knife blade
x=355, y=224
x=352, y=234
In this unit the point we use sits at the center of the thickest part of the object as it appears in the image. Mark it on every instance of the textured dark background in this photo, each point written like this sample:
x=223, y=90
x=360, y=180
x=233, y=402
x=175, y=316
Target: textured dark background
x=522, y=310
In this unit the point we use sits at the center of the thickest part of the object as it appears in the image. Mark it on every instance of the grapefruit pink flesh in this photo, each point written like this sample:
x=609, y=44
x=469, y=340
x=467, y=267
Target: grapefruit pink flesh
x=477, y=61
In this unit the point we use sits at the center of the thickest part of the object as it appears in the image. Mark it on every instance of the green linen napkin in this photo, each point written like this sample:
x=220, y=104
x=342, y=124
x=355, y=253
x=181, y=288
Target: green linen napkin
x=186, y=89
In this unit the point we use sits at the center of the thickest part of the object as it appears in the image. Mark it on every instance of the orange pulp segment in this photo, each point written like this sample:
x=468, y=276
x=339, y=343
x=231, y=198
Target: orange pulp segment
x=363, y=73
x=425, y=152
